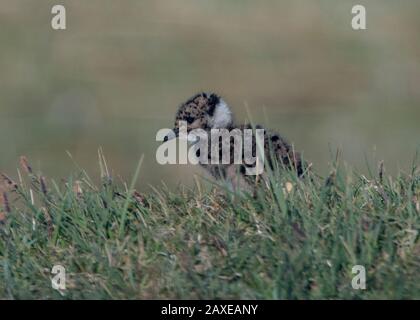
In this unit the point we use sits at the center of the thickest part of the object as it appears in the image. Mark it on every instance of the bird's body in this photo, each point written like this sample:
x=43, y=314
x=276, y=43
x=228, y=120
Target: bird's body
x=207, y=111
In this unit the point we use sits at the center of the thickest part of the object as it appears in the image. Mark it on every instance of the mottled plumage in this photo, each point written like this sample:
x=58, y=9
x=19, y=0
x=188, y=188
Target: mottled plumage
x=208, y=111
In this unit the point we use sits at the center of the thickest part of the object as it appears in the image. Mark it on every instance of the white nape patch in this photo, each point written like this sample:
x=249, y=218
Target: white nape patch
x=222, y=117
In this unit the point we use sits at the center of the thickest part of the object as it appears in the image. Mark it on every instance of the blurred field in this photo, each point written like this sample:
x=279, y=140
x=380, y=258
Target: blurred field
x=117, y=74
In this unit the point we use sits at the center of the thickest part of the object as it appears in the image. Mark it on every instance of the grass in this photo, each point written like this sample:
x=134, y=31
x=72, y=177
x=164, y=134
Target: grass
x=297, y=239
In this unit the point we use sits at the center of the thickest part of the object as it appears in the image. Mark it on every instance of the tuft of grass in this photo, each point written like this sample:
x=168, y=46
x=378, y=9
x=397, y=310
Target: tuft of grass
x=295, y=239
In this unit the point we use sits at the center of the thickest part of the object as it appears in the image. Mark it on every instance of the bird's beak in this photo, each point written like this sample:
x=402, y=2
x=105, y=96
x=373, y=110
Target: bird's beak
x=171, y=135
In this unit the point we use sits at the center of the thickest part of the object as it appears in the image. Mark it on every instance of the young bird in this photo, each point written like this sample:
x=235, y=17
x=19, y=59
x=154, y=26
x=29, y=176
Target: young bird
x=208, y=111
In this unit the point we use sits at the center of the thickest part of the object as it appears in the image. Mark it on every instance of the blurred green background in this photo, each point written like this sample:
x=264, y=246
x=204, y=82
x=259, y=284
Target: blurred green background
x=119, y=71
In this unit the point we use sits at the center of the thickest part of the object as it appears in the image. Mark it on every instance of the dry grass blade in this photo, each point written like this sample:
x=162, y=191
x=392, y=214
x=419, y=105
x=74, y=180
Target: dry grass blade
x=24, y=163
x=43, y=184
x=77, y=188
x=48, y=220
x=381, y=171
x=4, y=200
x=10, y=184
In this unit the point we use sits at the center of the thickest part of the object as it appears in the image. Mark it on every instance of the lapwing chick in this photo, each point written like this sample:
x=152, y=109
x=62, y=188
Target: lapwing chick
x=207, y=111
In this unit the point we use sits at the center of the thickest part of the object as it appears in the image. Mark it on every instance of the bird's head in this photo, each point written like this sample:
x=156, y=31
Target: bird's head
x=203, y=111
